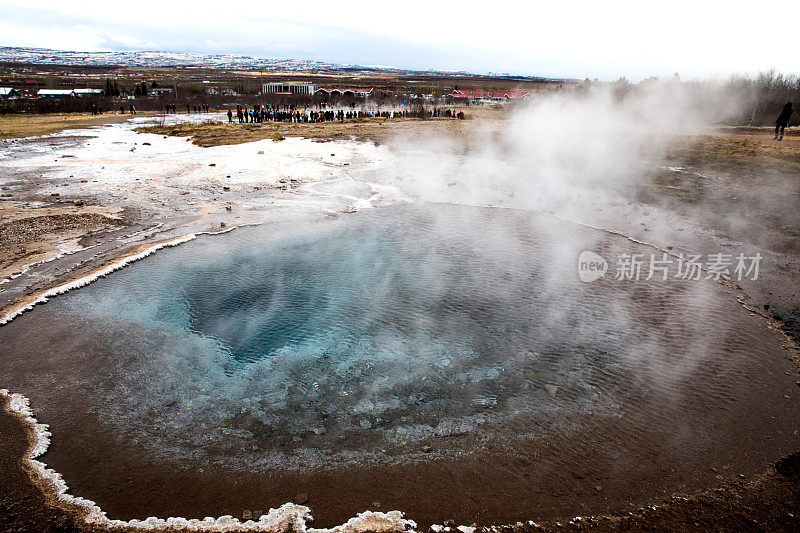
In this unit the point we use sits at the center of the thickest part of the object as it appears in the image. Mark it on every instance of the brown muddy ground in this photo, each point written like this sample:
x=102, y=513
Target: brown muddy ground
x=753, y=178
x=27, y=236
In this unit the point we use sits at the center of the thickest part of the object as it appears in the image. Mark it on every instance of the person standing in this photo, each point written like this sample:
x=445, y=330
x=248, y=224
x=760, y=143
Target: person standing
x=783, y=121
x=230, y=116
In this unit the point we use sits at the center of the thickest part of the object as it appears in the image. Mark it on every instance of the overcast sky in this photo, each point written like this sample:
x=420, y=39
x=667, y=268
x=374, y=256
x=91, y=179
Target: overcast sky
x=558, y=38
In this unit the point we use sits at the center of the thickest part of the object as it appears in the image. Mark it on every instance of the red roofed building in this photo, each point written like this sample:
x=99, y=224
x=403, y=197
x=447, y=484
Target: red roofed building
x=492, y=95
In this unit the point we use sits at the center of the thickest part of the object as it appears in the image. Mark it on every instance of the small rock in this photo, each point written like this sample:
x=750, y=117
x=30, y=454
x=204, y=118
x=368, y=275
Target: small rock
x=226, y=188
x=78, y=202
x=212, y=165
x=221, y=224
x=228, y=208
x=247, y=514
x=261, y=152
x=54, y=194
x=146, y=144
x=376, y=504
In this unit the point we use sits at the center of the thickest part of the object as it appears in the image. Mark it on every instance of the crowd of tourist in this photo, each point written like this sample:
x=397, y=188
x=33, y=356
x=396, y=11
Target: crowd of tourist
x=258, y=113
x=269, y=113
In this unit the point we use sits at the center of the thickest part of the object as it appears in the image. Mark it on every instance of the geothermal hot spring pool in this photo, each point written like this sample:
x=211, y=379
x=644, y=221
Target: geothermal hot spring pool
x=442, y=360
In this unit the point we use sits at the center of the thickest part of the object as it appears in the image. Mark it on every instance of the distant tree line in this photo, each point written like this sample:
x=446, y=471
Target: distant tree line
x=739, y=100
x=765, y=96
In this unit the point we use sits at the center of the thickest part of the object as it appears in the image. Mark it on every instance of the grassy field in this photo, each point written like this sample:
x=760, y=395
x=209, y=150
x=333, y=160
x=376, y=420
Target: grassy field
x=17, y=126
x=374, y=129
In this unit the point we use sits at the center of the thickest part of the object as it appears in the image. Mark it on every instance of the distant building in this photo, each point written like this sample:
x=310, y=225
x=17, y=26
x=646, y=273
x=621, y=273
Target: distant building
x=289, y=87
x=488, y=95
x=216, y=92
x=55, y=93
x=160, y=91
x=7, y=92
x=344, y=92
x=87, y=92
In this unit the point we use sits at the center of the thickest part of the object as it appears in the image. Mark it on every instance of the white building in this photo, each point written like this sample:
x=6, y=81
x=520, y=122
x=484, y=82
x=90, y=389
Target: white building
x=55, y=93
x=87, y=92
x=289, y=87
